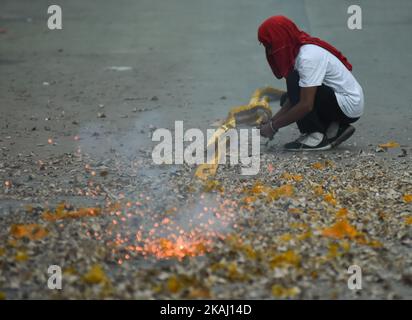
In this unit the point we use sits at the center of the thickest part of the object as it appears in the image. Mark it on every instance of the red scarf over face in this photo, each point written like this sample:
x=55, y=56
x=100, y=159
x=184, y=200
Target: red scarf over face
x=282, y=40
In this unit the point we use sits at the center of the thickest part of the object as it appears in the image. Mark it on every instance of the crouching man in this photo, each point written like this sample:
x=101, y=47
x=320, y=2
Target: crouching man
x=323, y=97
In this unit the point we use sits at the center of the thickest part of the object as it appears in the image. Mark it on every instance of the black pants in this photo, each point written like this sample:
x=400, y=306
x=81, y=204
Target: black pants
x=325, y=111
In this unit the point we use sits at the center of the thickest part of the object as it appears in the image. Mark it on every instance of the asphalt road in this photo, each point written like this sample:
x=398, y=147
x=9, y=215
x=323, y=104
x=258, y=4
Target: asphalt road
x=185, y=55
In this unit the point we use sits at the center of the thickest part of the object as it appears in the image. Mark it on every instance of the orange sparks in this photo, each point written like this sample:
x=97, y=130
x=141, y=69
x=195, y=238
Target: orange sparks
x=170, y=234
x=165, y=248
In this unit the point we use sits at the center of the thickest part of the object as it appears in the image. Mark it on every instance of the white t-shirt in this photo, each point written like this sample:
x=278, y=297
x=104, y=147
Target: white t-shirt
x=317, y=66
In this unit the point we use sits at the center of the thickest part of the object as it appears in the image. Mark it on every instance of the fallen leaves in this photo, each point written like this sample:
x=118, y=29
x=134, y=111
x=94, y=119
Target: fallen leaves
x=21, y=256
x=388, y=145
x=237, y=245
x=280, y=291
x=283, y=191
x=249, y=200
x=233, y=272
x=408, y=220
x=320, y=165
x=95, y=275
x=318, y=190
x=340, y=230
x=295, y=210
x=173, y=284
x=269, y=193
x=285, y=259
x=257, y=188
x=330, y=198
x=292, y=177
x=199, y=293
x=62, y=213
x=212, y=185
x=29, y=231
x=177, y=283
x=342, y=213
x=407, y=198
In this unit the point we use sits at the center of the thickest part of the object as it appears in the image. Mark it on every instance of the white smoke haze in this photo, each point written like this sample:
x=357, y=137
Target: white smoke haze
x=158, y=217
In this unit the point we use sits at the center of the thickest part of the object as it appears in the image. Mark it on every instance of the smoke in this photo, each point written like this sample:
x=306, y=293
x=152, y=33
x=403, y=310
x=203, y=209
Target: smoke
x=158, y=216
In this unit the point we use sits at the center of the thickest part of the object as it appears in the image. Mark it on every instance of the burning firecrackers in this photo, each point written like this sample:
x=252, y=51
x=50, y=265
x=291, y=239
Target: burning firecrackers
x=171, y=234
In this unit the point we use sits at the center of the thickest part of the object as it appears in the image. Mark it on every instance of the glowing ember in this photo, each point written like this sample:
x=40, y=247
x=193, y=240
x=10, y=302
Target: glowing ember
x=183, y=233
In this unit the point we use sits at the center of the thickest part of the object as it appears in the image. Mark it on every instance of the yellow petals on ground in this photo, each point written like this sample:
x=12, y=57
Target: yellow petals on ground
x=95, y=275
x=286, y=190
x=329, y=198
x=371, y=243
x=29, y=231
x=342, y=213
x=258, y=188
x=390, y=144
x=61, y=213
x=249, y=200
x=272, y=194
x=292, y=177
x=279, y=291
x=282, y=260
x=173, y=284
x=286, y=237
x=317, y=165
x=249, y=252
x=341, y=229
x=318, y=190
x=322, y=164
x=345, y=246
x=199, y=293
x=295, y=210
x=212, y=185
x=178, y=283
x=232, y=271
x=21, y=256
x=407, y=198
x=408, y=220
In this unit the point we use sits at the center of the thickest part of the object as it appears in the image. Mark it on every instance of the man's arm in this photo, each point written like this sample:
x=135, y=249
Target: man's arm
x=285, y=108
x=286, y=116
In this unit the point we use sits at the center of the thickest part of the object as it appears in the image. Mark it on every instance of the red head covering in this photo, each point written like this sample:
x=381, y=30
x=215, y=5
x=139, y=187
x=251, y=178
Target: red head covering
x=282, y=40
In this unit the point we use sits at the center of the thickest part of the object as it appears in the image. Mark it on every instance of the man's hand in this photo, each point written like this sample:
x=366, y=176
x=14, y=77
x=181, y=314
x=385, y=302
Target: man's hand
x=266, y=130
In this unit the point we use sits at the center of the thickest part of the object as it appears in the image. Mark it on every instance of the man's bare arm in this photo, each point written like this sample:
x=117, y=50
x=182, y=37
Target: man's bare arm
x=285, y=108
x=286, y=116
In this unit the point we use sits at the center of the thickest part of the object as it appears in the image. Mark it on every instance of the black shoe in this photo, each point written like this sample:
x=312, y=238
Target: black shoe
x=312, y=141
x=344, y=133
